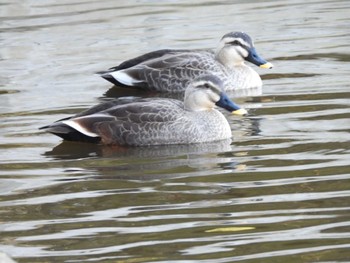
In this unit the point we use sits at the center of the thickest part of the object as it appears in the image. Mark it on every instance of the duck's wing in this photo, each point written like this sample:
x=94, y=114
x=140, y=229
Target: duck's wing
x=137, y=123
x=136, y=61
x=152, y=122
x=169, y=72
x=174, y=73
x=144, y=58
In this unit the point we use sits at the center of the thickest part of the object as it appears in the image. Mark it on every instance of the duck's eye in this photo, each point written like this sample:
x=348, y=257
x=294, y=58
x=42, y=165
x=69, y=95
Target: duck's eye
x=206, y=85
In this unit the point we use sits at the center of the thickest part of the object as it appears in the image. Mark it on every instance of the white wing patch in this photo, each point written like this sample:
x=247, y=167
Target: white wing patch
x=124, y=78
x=76, y=126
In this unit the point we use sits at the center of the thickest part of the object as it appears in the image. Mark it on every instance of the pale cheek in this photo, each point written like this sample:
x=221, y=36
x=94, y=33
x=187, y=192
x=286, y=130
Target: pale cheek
x=200, y=99
x=238, y=52
x=232, y=54
x=244, y=52
x=204, y=102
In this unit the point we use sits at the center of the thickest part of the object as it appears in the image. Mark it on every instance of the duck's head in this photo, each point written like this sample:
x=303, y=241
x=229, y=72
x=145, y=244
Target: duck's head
x=236, y=47
x=207, y=91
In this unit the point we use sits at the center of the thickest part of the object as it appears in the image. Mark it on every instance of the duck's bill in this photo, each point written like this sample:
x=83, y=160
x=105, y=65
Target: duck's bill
x=266, y=65
x=254, y=58
x=226, y=103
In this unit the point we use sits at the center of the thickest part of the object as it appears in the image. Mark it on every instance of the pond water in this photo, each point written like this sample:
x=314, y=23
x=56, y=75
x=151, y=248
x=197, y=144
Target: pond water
x=278, y=192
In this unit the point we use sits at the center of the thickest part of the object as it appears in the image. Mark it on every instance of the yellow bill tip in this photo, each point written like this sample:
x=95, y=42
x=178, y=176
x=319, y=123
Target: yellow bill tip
x=240, y=112
x=267, y=65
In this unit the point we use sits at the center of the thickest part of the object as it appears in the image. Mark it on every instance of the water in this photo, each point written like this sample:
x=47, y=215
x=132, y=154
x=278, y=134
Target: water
x=279, y=192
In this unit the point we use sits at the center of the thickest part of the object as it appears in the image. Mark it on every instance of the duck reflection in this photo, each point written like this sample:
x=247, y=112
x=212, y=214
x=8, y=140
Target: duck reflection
x=147, y=163
x=77, y=150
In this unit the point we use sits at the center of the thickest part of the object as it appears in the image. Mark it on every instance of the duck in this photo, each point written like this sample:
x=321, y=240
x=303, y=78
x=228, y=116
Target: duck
x=171, y=70
x=154, y=121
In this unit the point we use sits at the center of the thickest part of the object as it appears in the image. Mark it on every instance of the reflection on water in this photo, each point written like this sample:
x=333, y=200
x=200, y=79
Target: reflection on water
x=75, y=150
x=146, y=163
x=278, y=192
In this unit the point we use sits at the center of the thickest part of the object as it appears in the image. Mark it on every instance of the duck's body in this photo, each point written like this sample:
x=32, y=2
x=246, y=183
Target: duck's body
x=172, y=70
x=154, y=121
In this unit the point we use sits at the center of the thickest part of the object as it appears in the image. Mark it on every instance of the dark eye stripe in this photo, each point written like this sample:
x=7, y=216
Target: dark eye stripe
x=211, y=86
x=214, y=88
x=237, y=43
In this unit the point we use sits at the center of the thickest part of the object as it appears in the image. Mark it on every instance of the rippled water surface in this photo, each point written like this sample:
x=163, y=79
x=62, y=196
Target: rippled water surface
x=279, y=192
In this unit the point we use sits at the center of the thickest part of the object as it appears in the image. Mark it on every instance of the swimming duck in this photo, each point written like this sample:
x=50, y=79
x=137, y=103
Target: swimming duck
x=169, y=70
x=154, y=121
